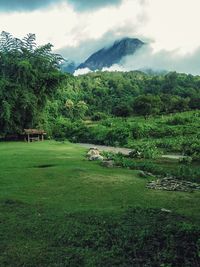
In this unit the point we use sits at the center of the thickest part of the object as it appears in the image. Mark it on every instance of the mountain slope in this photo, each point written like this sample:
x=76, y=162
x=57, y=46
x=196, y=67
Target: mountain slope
x=106, y=57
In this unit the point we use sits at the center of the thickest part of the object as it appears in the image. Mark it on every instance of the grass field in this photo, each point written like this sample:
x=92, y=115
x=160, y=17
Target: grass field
x=58, y=209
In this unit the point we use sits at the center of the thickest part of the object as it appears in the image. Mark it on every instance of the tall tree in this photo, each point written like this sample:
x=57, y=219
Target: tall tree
x=29, y=75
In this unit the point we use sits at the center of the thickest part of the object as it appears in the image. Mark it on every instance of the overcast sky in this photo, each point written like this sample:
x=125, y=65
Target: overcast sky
x=77, y=28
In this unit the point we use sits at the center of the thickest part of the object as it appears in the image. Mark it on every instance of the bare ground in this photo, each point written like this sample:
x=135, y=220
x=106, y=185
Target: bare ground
x=126, y=151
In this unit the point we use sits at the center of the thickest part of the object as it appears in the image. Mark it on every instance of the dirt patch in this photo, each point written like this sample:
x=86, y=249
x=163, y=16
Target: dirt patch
x=124, y=151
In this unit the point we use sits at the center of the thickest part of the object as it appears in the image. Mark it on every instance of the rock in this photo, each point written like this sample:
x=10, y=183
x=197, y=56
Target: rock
x=93, y=152
x=145, y=174
x=108, y=163
x=93, y=148
x=96, y=157
x=150, y=174
x=172, y=184
x=165, y=210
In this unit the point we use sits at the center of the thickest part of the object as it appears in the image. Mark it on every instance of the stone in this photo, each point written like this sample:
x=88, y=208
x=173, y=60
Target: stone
x=93, y=152
x=165, y=210
x=172, y=184
x=96, y=157
x=150, y=174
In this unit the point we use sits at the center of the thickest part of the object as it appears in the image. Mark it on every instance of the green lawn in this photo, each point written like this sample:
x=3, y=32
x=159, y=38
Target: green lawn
x=52, y=200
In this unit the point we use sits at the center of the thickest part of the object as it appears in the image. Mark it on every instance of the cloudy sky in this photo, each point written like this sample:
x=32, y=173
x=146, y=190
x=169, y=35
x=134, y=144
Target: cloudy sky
x=77, y=28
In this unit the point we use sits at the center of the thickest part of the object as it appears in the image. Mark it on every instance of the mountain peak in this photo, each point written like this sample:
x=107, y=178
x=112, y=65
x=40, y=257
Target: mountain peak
x=113, y=54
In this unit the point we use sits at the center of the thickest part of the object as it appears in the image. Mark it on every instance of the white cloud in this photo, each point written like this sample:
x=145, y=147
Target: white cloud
x=50, y=25
x=115, y=67
x=173, y=24
x=81, y=71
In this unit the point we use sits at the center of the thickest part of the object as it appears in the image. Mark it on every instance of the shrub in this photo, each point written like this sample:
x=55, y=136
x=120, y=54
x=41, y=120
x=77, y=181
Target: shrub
x=138, y=130
x=98, y=134
x=80, y=133
x=147, y=151
x=117, y=136
x=62, y=128
x=179, y=120
x=192, y=148
x=122, y=110
x=186, y=160
x=171, y=144
x=98, y=116
x=163, y=131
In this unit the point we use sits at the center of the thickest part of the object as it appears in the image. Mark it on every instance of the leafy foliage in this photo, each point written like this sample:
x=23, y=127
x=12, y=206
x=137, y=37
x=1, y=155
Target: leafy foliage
x=146, y=151
x=28, y=76
x=124, y=94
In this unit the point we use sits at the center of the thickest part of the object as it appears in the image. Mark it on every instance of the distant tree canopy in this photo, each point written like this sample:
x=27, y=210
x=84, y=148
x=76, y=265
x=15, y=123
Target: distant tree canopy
x=124, y=94
x=28, y=76
x=147, y=105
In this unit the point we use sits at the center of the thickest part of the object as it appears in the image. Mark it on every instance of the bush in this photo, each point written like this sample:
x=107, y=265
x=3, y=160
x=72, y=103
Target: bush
x=138, y=130
x=62, y=128
x=186, y=160
x=117, y=136
x=73, y=131
x=171, y=144
x=80, y=133
x=98, y=134
x=163, y=131
x=179, y=120
x=109, y=122
x=98, y=116
x=122, y=110
x=146, y=151
x=192, y=148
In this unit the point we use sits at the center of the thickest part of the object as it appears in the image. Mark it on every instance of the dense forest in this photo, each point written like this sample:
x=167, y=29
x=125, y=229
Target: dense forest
x=123, y=94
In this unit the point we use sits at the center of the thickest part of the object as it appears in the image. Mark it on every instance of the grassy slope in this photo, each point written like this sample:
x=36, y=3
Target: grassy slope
x=34, y=201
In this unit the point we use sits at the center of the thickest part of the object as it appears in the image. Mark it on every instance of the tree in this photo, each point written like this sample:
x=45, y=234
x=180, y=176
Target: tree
x=69, y=105
x=147, y=105
x=29, y=75
x=122, y=110
x=80, y=109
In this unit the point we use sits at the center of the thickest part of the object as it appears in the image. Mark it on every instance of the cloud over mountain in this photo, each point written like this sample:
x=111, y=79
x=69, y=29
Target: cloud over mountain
x=147, y=59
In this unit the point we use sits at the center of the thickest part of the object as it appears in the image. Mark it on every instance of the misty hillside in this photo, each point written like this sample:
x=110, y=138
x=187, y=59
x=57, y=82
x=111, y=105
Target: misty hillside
x=68, y=66
x=106, y=57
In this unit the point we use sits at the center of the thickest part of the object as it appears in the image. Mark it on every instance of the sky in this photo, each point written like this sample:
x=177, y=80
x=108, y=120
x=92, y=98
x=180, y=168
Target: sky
x=78, y=28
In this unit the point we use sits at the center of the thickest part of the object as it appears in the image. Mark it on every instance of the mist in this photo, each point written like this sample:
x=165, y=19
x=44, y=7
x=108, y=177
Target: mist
x=146, y=58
